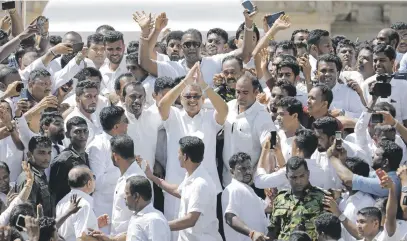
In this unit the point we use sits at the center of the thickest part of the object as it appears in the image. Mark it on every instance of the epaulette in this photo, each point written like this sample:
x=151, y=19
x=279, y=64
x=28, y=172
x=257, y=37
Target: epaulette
x=326, y=192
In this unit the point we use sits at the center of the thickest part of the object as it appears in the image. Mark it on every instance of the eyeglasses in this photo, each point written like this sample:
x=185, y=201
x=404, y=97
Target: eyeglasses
x=132, y=67
x=195, y=97
x=188, y=45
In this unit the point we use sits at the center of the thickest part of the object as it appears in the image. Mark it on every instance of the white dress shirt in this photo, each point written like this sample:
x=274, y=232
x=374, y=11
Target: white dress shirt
x=313, y=63
x=285, y=144
x=121, y=213
x=79, y=222
x=178, y=125
x=106, y=173
x=245, y=132
x=94, y=126
x=347, y=99
x=322, y=160
x=383, y=236
x=401, y=230
x=12, y=156
x=352, y=75
x=398, y=97
x=149, y=224
x=144, y=132
x=109, y=76
x=100, y=104
x=148, y=85
x=236, y=198
x=198, y=194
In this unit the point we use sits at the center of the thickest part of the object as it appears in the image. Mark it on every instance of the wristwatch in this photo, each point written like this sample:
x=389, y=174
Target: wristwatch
x=342, y=217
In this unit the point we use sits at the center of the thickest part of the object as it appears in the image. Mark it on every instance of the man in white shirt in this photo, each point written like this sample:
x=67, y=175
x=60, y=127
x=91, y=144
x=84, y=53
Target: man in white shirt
x=247, y=124
x=383, y=59
x=87, y=93
x=123, y=157
x=319, y=43
x=240, y=222
x=192, y=120
x=82, y=183
x=345, y=100
x=197, y=213
x=119, y=83
x=147, y=223
x=115, y=66
x=96, y=49
x=114, y=122
x=328, y=227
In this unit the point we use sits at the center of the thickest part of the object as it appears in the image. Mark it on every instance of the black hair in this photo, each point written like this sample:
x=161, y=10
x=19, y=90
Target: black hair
x=386, y=49
x=193, y=147
x=291, y=104
x=75, y=121
x=25, y=209
x=298, y=31
x=371, y=212
x=385, y=106
x=134, y=84
x=76, y=35
x=178, y=80
x=288, y=87
x=299, y=236
x=255, y=82
x=392, y=152
x=37, y=141
x=28, y=42
x=328, y=224
x=296, y=162
x=364, y=45
x=326, y=93
x=383, y=129
x=287, y=57
x=335, y=40
x=122, y=145
x=86, y=84
x=357, y=166
x=399, y=26
x=141, y=186
x=133, y=47
x=113, y=36
x=345, y=43
x=240, y=30
x=39, y=73
x=315, y=36
x=331, y=58
x=5, y=71
x=79, y=176
x=110, y=116
x=306, y=141
x=20, y=53
x=117, y=80
x=55, y=39
x=133, y=57
x=238, y=158
x=220, y=32
x=104, y=27
x=94, y=72
x=162, y=83
x=193, y=31
x=293, y=65
x=95, y=38
x=231, y=43
x=327, y=124
x=47, y=117
x=47, y=228
x=82, y=75
x=4, y=166
x=394, y=35
x=232, y=57
x=287, y=45
x=177, y=35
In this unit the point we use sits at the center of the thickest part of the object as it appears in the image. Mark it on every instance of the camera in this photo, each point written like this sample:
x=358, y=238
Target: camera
x=382, y=87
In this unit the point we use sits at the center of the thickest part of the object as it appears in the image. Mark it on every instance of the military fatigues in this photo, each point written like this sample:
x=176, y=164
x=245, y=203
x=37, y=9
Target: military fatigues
x=291, y=214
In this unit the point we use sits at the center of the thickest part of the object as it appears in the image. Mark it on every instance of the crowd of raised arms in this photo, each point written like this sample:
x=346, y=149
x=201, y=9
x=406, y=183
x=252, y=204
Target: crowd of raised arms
x=172, y=138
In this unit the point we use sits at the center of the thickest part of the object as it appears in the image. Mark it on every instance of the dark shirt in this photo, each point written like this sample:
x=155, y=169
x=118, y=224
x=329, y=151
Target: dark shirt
x=60, y=168
x=40, y=193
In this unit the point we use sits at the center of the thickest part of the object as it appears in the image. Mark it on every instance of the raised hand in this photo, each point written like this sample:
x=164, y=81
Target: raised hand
x=388, y=119
x=144, y=21
x=28, y=173
x=386, y=182
x=354, y=86
x=331, y=206
x=62, y=48
x=257, y=236
x=249, y=17
x=32, y=227
x=5, y=23
x=29, y=31
x=74, y=204
x=192, y=74
x=161, y=22
x=265, y=24
x=49, y=101
x=12, y=89
x=265, y=59
x=283, y=22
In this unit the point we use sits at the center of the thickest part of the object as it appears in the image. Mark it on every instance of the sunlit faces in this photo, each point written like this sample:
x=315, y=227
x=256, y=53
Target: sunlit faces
x=191, y=46
x=382, y=64
x=133, y=67
x=300, y=37
x=324, y=141
x=327, y=73
x=245, y=93
x=298, y=179
x=174, y=50
x=115, y=51
x=286, y=74
x=347, y=55
x=41, y=156
x=79, y=135
x=88, y=100
x=40, y=87
x=239, y=42
x=232, y=72
x=135, y=99
x=215, y=44
x=243, y=172
x=192, y=99
x=324, y=46
x=96, y=53
x=4, y=181
x=315, y=102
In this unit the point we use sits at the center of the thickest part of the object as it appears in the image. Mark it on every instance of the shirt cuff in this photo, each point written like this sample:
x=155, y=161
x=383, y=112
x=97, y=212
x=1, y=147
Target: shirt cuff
x=356, y=182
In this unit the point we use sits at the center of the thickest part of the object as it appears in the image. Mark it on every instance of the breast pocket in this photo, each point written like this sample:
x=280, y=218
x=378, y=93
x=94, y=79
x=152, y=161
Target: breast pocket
x=242, y=136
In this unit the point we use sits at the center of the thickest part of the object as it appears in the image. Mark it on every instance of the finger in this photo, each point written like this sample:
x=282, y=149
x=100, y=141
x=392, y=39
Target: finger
x=40, y=211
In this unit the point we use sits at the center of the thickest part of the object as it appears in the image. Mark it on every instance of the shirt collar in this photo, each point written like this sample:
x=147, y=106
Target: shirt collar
x=79, y=113
x=131, y=116
x=84, y=195
x=147, y=209
x=184, y=113
x=194, y=175
x=106, y=136
x=255, y=107
x=133, y=169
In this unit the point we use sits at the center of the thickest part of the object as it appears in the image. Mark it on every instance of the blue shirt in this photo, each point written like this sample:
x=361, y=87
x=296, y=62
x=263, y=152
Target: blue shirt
x=372, y=186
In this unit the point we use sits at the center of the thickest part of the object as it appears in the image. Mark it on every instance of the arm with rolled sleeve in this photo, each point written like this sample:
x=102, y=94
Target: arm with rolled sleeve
x=24, y=130
x=25, y=74
x=262, y=126
x=369, y=185
x=64, y=75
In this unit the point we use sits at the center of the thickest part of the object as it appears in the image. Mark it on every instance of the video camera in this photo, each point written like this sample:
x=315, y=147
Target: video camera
x=382, y=87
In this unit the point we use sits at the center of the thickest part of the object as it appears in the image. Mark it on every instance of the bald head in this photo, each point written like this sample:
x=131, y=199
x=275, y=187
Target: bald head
x=79, y=176
x=72, y=38
x=388, y=36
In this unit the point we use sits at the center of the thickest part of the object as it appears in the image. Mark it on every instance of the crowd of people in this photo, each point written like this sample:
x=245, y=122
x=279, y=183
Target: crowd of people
x=172, y=138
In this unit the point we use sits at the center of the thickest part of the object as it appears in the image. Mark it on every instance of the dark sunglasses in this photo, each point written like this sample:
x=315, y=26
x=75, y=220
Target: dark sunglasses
x=195, y=97
x=192, y=43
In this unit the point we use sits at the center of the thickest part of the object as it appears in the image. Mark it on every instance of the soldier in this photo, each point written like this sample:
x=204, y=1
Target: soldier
x=297, y=208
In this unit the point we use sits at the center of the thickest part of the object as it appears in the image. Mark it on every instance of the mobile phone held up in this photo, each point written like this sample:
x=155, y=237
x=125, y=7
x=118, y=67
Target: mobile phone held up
x=8, y=5
x=377, y=118
x=380, y=173
x=273, y=17
x=338, y=140
x=40, y=22
x=247, y=4
x=20, y=221
x=273, y=139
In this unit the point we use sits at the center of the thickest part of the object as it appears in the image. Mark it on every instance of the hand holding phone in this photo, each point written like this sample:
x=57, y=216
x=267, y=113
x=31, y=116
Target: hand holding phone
x=380, y=173
x=273, y=139
x=247, y=4
x=21, y=221
x=338, y=140
x=273, y=17
x=377, y=118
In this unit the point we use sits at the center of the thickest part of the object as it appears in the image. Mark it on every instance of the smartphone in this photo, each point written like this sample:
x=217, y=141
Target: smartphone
x=8, y=5
x=338, y=138
x=273, y=17
x=247, y=4
x=20, y=221
x=380, y=173
x=66, y=86
x=40, y=22
x=19, y=87
x=77, y=47
x=377, y=118
x=273, y=139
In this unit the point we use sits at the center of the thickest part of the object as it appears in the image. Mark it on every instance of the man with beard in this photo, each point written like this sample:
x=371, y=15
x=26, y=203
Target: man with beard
x=388, y=36
x=300, y=36
x=225, y=82
x=319, y=43
x=383, y=61
x=86, y=98
x=289, y=70
x=216, y=41
x=242, y=223
x=346, y=101
x=114, y=67
x=75, y=155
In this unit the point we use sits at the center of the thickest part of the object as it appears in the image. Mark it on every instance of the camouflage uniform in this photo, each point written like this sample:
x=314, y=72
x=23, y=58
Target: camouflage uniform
x=290, y=214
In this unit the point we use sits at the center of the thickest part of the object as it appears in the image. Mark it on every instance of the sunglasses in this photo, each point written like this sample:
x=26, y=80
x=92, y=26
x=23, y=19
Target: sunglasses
x=192, y=43
x=195, y=97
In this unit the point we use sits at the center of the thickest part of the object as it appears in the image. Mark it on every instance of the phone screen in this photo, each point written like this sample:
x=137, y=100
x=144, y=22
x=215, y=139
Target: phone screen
x=248, y=5
x=20, y=221
x=338, y=139
x=8, y=5
x=377, y=118
x=273, y=139
x=272, y=18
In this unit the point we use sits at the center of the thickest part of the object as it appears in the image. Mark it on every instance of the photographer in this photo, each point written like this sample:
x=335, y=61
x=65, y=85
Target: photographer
x=383, y=85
